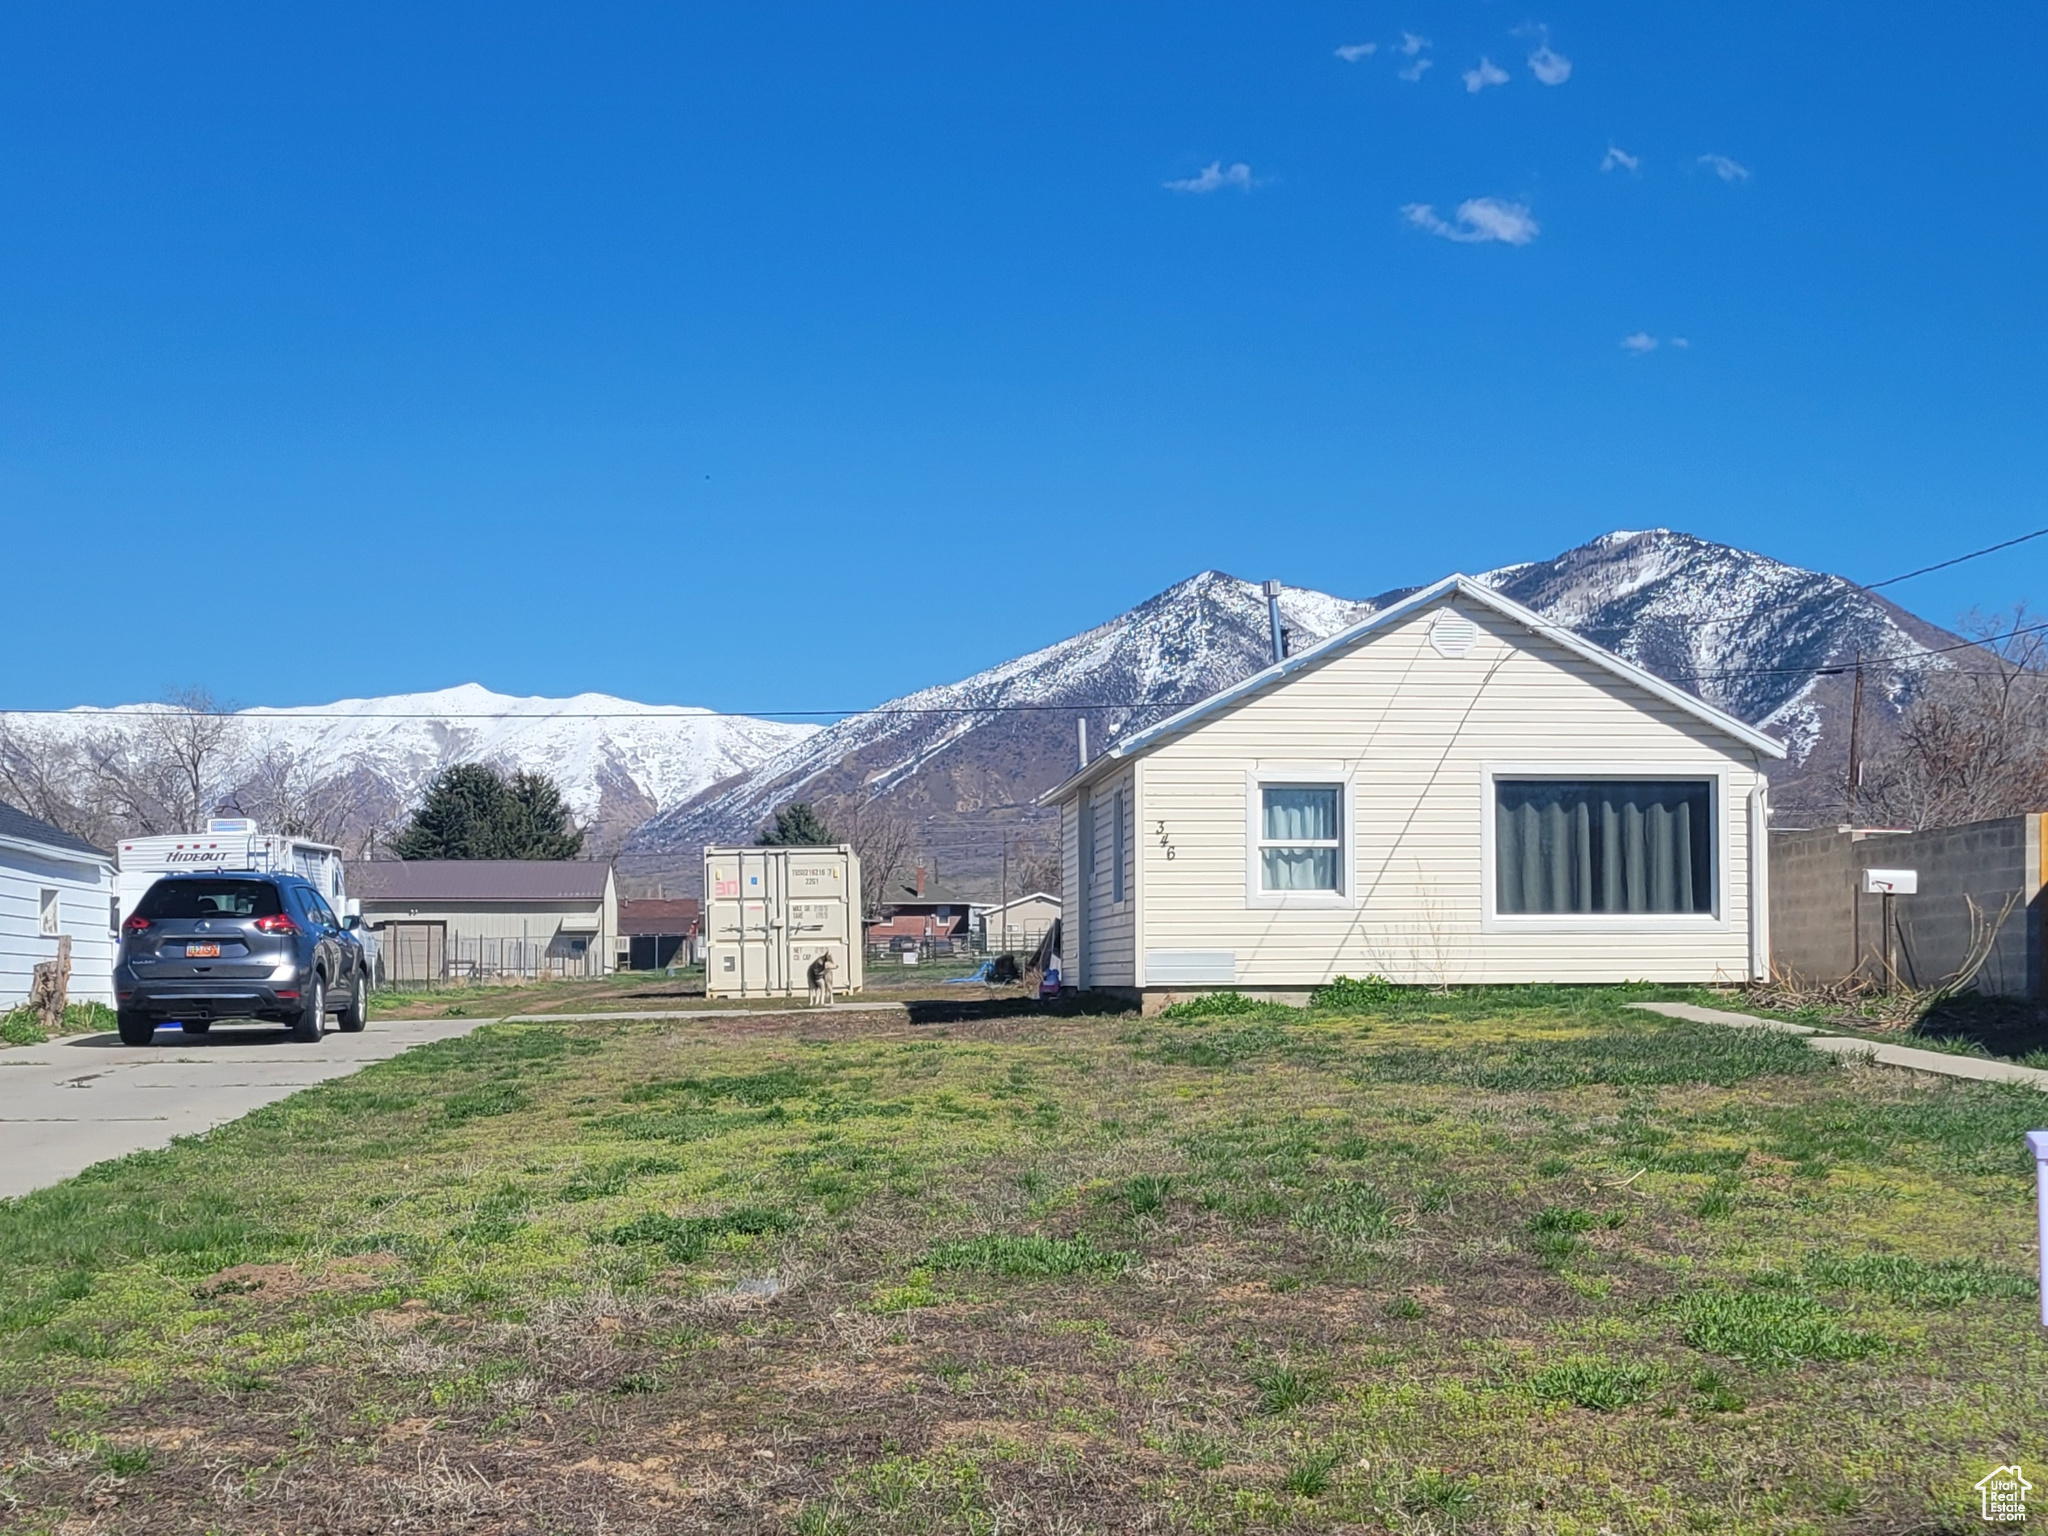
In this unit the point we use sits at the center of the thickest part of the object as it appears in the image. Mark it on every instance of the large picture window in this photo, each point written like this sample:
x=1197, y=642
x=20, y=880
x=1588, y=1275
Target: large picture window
x=1301, y=837
x=1600, y=846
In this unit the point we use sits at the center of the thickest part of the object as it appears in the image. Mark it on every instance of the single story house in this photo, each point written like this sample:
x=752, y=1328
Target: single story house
x=1453, y=790
x=441, y=919
x=920, y=912
x=655, y=932
x=1018, y=923
x=53, y=886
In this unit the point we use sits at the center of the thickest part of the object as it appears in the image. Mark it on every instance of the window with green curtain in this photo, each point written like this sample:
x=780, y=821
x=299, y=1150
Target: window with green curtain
x=1601, y=846
x=1300, y=837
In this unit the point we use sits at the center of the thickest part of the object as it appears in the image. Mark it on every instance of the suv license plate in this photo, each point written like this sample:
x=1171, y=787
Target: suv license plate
x=202, y=951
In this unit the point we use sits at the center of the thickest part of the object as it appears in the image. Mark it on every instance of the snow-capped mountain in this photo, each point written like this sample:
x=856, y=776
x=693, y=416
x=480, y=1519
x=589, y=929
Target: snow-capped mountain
x=965, y=760
x=1742, y=630
x=617, y=762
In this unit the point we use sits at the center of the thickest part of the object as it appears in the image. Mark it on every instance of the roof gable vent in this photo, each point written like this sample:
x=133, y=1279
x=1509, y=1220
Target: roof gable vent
x=1452, y=634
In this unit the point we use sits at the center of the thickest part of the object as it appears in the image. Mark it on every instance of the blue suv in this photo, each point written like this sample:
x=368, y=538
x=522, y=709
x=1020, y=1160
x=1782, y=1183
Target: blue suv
x=202, y=947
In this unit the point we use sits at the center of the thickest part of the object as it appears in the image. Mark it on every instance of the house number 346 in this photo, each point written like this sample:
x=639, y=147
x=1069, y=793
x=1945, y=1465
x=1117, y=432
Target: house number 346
x=1164, y=841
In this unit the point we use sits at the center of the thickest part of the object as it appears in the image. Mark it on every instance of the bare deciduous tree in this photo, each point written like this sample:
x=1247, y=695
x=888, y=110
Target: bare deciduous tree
x=1973, y=743
x=1035, y=869
x=163, y=771
x=286, y=792
x=882, y=837
x=46, y=778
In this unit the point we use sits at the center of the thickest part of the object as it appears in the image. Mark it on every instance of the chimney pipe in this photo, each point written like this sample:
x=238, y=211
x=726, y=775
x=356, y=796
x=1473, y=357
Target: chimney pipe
x=1082, y=727
x=920, y=879
x=1273, y=620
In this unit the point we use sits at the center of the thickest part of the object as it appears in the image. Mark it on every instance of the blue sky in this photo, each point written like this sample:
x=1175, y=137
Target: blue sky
x=793, y=356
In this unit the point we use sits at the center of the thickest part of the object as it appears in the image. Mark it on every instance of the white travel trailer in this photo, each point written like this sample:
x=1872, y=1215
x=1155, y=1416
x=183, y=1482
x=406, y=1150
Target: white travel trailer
x=230, y=843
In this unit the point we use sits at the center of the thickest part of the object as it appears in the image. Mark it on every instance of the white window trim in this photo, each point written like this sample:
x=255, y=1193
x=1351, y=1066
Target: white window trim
x=1339, y=775
x=1494, y=921
x=50, y=912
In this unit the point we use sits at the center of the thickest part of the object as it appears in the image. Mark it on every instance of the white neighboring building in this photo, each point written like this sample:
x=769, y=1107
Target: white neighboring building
x=53, y=884
x=1018, y=923
x=1454, y=790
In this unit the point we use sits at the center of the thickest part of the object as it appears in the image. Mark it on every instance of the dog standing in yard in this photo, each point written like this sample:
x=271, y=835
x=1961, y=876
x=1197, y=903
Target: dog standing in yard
x=821, y=980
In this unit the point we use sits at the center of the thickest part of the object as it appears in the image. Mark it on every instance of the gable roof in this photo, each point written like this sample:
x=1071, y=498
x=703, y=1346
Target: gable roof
x=658, y=915
x=18, y=826
x=480, y=880
x=1018, y=901
x=906, y=894
x=1457, y=585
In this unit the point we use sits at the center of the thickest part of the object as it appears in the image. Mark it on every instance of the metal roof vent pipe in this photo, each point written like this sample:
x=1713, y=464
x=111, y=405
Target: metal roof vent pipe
x=1273, y=621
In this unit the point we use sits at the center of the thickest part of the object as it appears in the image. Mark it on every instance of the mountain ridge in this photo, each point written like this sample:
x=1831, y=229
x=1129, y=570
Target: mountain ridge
x=1748, y=633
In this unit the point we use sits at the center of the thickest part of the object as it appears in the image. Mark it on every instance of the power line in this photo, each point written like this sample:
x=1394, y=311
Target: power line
x=1942, y=565
x=1752, y=614
x=1832, y=668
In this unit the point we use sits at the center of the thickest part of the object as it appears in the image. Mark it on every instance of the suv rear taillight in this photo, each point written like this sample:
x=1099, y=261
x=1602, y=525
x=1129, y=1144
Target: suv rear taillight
x=276, y=923
x=136, y=925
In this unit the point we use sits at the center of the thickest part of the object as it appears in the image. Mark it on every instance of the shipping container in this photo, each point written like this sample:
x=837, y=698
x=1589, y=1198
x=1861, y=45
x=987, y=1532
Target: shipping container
x=769, y=912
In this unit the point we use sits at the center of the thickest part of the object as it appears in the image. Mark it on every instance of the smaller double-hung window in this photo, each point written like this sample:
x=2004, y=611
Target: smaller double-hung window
x=1301, y=838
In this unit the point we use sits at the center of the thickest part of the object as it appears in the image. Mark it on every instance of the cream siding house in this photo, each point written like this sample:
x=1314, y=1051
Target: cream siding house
x=1453, y=791
x=54, y=886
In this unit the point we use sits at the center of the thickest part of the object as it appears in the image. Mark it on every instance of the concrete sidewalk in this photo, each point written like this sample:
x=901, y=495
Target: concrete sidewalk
x=1941, y=1063
x=81, y=1099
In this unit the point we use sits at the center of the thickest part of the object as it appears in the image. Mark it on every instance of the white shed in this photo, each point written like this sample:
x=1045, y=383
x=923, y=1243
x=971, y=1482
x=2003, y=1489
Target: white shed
x=1453, y=791
x=53, y=885
x=1018, y=923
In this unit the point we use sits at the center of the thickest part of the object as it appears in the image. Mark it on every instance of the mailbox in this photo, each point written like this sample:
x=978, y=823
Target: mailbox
x=1890, y=882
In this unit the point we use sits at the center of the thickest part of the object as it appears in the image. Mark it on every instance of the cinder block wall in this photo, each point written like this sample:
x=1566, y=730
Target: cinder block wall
x=1823, y=928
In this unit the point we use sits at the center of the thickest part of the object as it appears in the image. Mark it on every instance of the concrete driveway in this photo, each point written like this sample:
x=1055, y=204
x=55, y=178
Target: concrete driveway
x=73, y=1102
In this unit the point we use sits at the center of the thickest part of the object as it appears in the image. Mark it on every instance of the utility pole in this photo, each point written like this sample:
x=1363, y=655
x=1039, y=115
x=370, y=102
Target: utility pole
x=1855, y=739
x=1006, y=893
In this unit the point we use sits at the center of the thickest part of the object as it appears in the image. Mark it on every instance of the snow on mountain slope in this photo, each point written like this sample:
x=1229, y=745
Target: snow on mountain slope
x=602, y=751
x=1744, y=631
x=991, y=742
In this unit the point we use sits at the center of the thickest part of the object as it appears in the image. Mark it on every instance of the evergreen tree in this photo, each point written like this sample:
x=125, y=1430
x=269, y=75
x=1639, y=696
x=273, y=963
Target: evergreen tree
x=536, y=822
x=472, y=812
x=797, y=826
x=459, y=817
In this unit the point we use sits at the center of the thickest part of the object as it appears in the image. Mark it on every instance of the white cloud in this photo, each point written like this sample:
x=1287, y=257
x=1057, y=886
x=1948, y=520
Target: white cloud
x=1351, y=53
x=1412, y=45
x=1479, y=221
x=1549, y=66
x=1726, y=169
x=1639, y=343
x=1680, y=342
x=1619, y=160
x=1488, y=73
x=1214, y=177
x=1415, y=71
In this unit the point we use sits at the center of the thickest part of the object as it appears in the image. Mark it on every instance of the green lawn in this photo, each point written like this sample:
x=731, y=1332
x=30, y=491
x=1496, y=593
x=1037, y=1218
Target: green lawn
x=1514, y=1261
